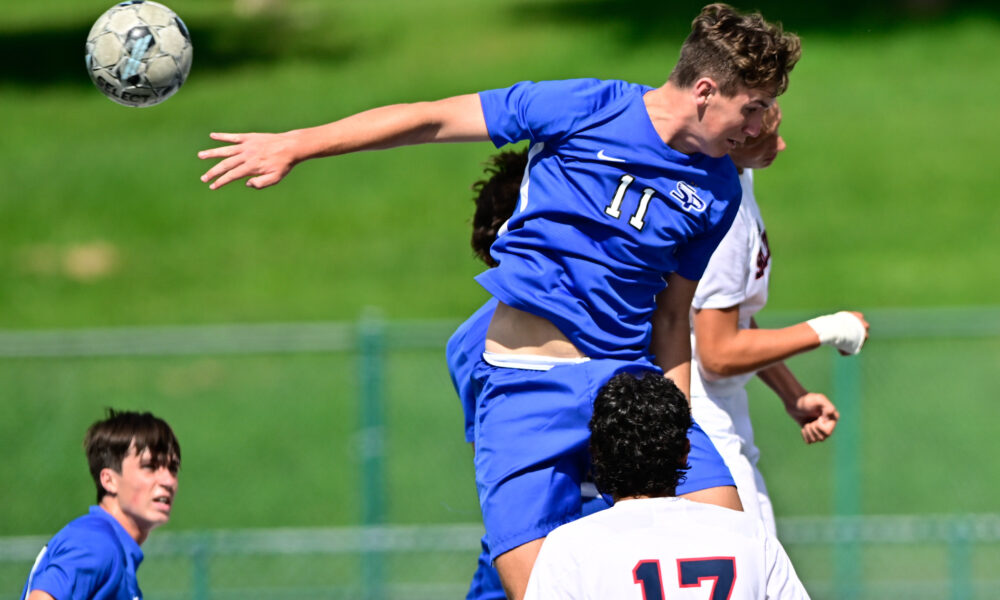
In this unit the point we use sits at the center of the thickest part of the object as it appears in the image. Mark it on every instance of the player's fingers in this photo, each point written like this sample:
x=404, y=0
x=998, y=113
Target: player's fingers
x=225, y=166
x=228, y=177
x=825, y=427
x=263, y=181
x=220, y=152
x=233, y=138
x=808, y=433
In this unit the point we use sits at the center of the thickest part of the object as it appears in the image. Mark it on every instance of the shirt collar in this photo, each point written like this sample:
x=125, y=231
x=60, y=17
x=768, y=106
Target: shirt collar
x=126, y=540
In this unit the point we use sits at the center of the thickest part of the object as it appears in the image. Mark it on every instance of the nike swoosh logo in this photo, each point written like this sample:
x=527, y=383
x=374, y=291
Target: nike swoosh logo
x=602, y=156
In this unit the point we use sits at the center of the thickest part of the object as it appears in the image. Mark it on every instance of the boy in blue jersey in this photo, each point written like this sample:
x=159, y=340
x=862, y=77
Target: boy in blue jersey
x=134, y=459
x=629, y=190
x=707, y=477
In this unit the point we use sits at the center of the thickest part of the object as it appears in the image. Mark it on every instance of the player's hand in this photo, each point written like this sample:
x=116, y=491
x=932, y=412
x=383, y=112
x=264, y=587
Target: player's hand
x=846, y=331
x=861, y=318
x=816, y=415
x=263, y=157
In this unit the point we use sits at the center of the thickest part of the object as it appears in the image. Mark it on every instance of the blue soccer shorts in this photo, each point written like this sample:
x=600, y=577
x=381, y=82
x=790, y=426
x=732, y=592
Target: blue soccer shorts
x=531, y=435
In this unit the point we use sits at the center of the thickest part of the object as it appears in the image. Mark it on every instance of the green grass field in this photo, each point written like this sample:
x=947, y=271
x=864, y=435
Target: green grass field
x=883, y=200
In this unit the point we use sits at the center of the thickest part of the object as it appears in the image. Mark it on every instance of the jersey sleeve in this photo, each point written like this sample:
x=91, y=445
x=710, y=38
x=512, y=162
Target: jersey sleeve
x=782, y=581
x=71, y=571
x=723, y=283
x=694, y=257
x=540, y=111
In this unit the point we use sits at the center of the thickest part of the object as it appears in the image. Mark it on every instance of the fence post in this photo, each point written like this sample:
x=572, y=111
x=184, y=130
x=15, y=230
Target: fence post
x=371, y=342
x=960, y=558
x=200, y=556
x=847, y=475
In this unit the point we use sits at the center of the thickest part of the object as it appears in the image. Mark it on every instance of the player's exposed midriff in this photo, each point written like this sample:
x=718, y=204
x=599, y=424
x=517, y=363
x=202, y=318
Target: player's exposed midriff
x=513, y=331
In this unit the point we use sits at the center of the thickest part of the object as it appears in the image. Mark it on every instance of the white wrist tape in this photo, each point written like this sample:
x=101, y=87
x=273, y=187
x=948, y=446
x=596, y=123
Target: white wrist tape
x=842, y=330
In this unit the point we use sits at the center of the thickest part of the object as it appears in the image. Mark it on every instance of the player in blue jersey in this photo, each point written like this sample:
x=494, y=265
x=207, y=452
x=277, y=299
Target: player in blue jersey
x=629, y=190
x=134, y=459
x=708, y=477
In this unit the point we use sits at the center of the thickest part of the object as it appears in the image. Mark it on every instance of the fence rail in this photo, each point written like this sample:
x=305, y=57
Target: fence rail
x=846, y=536
x=955, y=533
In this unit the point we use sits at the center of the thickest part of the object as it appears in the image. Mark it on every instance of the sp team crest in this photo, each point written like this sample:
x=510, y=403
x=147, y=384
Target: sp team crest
x=688, y=197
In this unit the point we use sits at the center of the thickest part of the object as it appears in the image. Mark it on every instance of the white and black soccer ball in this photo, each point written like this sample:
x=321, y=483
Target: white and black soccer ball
x=139, y=53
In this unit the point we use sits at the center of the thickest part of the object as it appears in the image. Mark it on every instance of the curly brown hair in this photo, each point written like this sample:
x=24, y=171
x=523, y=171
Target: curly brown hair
x=496, y=197
x=638, y=435
x=736, y=49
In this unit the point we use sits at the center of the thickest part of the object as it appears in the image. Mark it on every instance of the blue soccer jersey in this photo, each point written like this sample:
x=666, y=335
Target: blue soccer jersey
x=609, y=209
x=92, y=558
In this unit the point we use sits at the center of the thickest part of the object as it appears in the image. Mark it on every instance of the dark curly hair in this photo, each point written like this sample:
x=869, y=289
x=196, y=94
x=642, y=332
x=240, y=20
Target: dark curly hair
x=736, y=49
x=495, y=199
x=638, y=435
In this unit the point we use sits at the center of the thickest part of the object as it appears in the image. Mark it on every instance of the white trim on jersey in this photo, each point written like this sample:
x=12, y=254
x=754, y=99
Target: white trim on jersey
x=34, y=568
x=525, y=180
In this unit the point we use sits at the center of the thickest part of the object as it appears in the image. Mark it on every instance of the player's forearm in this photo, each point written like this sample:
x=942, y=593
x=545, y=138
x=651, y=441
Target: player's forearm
x=748, y=350
x=783, y=382
x=671, y=347
x=671, y=341
x=456, y=119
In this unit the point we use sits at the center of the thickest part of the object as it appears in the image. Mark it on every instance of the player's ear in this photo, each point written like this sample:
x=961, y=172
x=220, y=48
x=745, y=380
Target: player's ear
x=703, y=90
x=109, y=480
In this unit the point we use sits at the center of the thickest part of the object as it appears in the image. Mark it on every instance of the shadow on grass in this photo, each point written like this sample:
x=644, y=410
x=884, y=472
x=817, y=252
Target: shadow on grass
x=640, y=21
x=56, y=56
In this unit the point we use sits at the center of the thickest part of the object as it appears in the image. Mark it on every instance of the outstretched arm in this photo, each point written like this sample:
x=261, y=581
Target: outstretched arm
x=266, y=158
x=724, y=349
x=671, y=344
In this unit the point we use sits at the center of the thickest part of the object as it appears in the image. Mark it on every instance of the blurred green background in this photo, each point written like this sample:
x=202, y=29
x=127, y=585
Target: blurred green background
x=883, y=203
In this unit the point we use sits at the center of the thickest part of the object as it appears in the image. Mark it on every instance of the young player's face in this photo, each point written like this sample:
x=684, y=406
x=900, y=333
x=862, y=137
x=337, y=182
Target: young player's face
x=760, y=151
x=729, y=120
x=146, y=489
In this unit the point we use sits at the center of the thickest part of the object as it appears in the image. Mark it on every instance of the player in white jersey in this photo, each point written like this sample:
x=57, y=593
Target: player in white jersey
x=729, y=349
x=651, y=544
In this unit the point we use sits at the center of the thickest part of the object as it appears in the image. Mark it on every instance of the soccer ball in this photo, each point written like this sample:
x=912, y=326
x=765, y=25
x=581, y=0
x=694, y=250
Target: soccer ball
x=138, y=53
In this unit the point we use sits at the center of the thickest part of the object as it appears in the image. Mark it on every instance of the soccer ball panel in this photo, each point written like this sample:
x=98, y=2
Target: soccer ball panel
x=100, y=25
x=161, y=71
x=106, y=50
x=122, y=19
x=155, y=14
x=172, y=41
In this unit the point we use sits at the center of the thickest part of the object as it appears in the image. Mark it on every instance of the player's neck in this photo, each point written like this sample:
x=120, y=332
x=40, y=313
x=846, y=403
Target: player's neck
x=131, y=526
x=670, y=109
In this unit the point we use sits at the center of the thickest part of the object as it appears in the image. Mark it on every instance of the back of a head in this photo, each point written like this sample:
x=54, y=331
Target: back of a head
x=108, y=441
x=736, y=50
x=638, y=440
x=496, y=198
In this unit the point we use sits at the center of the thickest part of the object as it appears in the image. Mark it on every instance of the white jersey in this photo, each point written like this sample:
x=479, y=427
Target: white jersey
x=737, y=275
x=668, y=548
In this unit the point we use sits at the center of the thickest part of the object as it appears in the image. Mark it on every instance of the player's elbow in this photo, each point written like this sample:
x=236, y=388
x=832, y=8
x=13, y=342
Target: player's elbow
x=716, y=364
